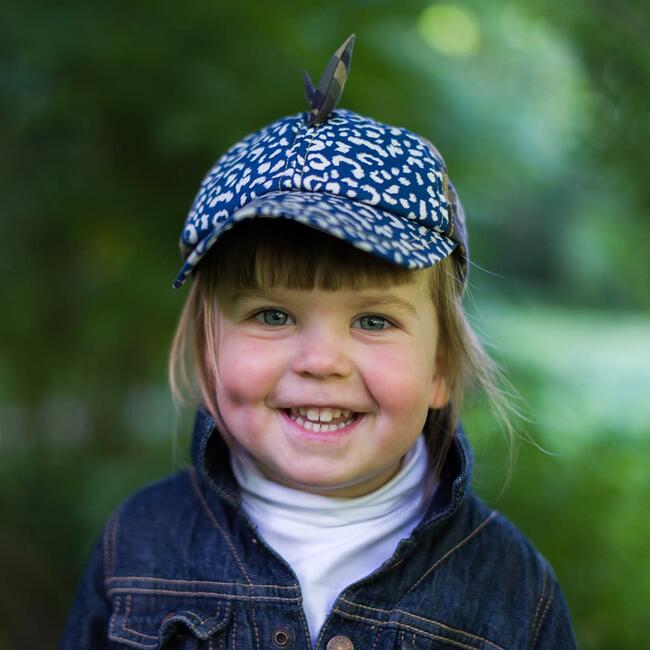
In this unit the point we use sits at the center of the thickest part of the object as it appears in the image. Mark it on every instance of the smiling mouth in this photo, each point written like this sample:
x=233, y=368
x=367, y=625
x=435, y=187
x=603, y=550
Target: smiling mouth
x=322, y=419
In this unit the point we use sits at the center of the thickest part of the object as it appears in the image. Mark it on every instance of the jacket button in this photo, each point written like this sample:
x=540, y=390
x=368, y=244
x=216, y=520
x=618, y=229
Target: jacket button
x=281, y=638
x=340, y=643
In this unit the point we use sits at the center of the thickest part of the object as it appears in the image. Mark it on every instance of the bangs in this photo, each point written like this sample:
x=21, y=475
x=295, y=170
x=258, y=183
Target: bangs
x=264, y=254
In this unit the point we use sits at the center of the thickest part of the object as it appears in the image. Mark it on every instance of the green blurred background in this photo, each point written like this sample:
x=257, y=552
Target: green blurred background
x=110, y=113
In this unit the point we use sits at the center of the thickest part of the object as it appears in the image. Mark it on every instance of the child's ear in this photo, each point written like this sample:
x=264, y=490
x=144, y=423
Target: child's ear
x=440, y=393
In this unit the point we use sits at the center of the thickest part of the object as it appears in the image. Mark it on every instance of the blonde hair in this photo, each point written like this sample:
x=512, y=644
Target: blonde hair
x=267, y=253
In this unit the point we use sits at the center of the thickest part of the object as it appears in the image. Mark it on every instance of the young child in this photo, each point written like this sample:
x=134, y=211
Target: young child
x=329, y=502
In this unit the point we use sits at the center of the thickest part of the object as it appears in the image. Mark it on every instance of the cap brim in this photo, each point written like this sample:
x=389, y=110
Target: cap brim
x=398, y=240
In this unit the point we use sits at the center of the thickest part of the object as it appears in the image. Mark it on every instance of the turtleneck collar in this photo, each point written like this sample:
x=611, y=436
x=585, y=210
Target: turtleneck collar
x=329, y=511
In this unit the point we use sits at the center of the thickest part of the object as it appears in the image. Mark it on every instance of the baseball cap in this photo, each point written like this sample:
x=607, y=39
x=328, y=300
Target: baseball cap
x=380, y=188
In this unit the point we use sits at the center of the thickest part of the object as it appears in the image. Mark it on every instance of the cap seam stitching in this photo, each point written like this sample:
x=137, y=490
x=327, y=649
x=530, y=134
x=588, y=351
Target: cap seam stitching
x=309, y=139
x=282, y=173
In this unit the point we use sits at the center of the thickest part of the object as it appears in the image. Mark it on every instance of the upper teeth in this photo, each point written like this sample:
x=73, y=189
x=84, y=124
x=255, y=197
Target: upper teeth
x=321, y=414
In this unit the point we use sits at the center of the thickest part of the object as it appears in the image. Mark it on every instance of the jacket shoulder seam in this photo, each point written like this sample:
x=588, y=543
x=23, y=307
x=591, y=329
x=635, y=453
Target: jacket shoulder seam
x=110, y=551
x=547, y=593
x=110, y=543
x=452, y=550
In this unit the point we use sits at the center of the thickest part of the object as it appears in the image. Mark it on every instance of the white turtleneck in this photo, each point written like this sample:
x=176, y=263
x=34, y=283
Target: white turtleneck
x=331, y=542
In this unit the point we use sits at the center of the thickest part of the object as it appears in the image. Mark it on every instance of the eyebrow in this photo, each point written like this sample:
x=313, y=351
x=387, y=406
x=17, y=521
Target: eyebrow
x=388, y=301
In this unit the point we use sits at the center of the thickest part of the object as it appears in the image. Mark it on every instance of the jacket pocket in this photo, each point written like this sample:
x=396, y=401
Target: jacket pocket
x=153, y=622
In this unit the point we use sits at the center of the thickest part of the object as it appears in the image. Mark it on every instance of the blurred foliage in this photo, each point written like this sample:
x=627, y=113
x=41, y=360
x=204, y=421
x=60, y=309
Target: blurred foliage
x=111, y=113
x=580, y=486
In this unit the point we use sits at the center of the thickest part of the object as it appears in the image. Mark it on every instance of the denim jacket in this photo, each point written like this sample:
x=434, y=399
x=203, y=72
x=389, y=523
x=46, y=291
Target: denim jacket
x=179, y=565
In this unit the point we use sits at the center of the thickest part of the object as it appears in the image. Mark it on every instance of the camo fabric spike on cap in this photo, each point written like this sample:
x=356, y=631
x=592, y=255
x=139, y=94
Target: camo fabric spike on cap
x=380, y=188
x=325, y=97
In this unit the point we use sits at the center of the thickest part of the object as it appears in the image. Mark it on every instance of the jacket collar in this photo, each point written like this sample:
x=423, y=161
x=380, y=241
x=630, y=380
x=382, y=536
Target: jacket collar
x=211, y=460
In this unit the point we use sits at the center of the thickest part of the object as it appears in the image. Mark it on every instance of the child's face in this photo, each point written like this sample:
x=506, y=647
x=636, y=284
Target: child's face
x=287, y=357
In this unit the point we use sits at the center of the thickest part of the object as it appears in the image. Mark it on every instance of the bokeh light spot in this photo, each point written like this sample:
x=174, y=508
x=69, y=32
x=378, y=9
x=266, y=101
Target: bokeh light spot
x=450, y=29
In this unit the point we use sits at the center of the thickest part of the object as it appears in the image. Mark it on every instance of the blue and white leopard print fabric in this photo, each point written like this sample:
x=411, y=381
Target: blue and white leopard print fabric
x=381, y=188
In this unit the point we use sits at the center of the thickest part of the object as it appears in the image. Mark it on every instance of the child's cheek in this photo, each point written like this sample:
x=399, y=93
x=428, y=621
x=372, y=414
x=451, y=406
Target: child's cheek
x=248, y=371
x=398, y=381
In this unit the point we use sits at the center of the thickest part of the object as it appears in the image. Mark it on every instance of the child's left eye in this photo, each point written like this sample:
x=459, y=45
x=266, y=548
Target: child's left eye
x=373, y=322
x=273, y=317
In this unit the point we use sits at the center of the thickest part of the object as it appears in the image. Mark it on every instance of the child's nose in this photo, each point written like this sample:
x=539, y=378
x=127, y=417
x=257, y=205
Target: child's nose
x=322, y=353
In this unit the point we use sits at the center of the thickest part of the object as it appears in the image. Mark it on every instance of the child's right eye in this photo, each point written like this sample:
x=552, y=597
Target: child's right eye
x=273, y=317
